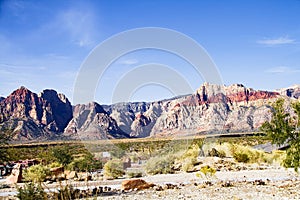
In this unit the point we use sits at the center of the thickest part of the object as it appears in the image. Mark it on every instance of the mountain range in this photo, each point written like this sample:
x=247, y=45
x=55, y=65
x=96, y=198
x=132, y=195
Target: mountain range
x=49, y=115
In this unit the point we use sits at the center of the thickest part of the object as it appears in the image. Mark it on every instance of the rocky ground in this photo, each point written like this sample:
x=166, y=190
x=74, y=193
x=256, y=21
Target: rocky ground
x=269, y=183
x=222, y=190
x=231, y=181
x=245, y=184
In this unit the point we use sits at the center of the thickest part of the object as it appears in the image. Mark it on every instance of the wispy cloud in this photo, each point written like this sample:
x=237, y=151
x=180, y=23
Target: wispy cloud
x=282, y=69
x=129, y=62
x=79, y=24
x=76, y=24
x=20, y=67
x=15, y=6
x=276, y=41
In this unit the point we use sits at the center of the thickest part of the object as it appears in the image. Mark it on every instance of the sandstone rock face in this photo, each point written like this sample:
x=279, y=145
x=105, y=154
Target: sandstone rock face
x=217, y=108
x=32, y=115
x=90, y=122
x=212, y=108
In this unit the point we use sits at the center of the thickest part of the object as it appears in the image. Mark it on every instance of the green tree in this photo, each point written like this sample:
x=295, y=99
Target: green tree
x=284, y=129
x=62, y=155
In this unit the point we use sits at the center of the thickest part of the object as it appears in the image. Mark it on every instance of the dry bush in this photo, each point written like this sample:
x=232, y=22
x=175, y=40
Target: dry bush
x=160, y=164
x=113, y=169
x=36, y=173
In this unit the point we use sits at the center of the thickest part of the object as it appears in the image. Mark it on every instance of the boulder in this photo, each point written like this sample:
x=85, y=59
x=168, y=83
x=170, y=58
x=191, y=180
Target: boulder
x=136, y=184
x=71, y=174
x=57, y=171
x=83, y=176
x=16, y=175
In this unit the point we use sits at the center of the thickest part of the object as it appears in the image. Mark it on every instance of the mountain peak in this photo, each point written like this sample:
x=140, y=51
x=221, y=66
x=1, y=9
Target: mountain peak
x=21, y=90
x=49, y=111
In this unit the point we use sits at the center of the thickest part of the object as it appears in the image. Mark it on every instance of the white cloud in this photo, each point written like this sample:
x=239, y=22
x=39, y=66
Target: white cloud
x=129, y=62
x=282, y=69
x=276, y=41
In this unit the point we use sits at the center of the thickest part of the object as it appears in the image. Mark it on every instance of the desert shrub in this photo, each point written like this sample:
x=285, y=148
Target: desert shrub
x=188, y=164
x=278, y=156
x=131, y=174
x=241, y=157
x=217, y=153
x=160, y=164
x=5, y=136
x=206, y=172
x=54, y=164
x=222, y=154
x=46, y=156
x=188, y=158
x=222, y=149
x=36, y=173
x=31, y=191
x=292, y=158
x=118, y=153
x=192, y=152
x=249, y=155
x=113, y=169
x=85, y=163
x=66, y=192
x=62, y=155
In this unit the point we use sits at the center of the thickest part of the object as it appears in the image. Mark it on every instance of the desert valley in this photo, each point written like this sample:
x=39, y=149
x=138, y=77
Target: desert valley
x=206, y=145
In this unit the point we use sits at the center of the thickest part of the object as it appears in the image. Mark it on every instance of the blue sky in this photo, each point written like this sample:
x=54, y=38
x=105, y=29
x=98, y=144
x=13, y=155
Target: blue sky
x=43, y=43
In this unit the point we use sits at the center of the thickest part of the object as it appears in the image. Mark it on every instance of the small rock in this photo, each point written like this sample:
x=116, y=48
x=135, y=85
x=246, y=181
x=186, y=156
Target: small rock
x=227, y=184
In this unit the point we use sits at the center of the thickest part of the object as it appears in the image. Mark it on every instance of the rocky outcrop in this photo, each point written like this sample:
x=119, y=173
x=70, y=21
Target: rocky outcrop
x=216, y=108
x=212, y=108
x=26, y=130
x=57, y=110
x=125, y=113
x=91, y=122
x=31, y=116
x=293, y=91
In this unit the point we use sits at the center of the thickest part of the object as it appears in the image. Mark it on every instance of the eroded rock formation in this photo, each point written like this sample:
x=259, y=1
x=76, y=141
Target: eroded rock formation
x=211, y=109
